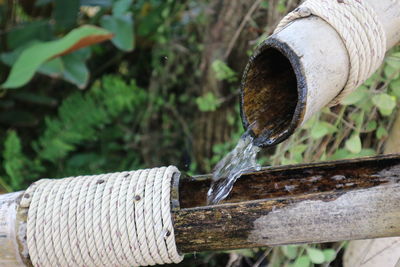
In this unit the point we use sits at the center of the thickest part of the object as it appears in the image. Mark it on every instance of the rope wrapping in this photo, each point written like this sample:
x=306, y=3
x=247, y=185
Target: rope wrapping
x=360, y=30
x=117, y=219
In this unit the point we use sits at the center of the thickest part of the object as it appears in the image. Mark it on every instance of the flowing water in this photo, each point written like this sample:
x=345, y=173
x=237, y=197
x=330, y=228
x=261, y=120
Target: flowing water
x=240, y=160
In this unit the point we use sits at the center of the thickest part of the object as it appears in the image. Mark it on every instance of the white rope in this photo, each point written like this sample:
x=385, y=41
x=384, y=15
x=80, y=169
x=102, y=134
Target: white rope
x=358, y=26
x=118, y=219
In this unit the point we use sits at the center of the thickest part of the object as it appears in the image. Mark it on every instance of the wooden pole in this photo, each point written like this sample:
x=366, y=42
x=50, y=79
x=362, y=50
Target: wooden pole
x=309, y=203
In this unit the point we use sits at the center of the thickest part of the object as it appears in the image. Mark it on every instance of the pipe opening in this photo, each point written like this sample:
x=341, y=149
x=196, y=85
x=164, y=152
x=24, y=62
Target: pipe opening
x=271, y=103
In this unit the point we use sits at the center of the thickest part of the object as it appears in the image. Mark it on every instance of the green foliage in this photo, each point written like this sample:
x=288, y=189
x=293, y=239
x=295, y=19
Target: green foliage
x=385, y=103
x=122, y=26
x=16, y=165
x=51, y=129
x=353, y=144
x=359, y=127
x=356, y=96
x=208, y=102
x=316, y=256
x=37, y=30
x=82, y=115
x=38, y=40
x=329, y=255
x=306, y=255
x=322, y=128
x=290, y=251
x=35, y=55
x=223, y=72
x=14, y=159
x=302, y=261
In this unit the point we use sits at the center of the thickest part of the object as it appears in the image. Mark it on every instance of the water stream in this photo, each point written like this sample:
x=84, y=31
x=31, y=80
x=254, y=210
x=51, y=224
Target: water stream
x=240, y=160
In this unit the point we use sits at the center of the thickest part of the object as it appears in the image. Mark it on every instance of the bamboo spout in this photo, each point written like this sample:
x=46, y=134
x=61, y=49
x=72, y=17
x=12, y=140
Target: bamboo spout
x=298, y=71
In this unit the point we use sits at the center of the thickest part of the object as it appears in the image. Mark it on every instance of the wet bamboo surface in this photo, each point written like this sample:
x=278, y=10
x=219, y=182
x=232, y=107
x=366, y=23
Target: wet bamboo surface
x=307, y=203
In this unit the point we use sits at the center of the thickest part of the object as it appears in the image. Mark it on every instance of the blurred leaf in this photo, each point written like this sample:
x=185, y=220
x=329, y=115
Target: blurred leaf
x=354, y=144
x=391, y=72
x=28, y=32
x=358, y=118
x=75, y=70
x=208, y=102
x=371, y=126
x=122, y=28
x=70, y=67
x=371, y=79
x=329, y=254
x=394, y=60
x=244, y=252
x=311, y=122
x=34, y=56
x=381, y=132
x=395, y=86
x=303, y=261
x=120, y=7
x=9, y=58
x=341, y=154
x=53, y=68
x=290, y=251
x=16, y=165
x=297, y=152
x=367, y=152
x=66, y=13
x=264, y=4
x=316, y=255
x=223, y=71
x=322, y=128
x=356, y=96
x=385, y=103
x=13, y=159
x=286, y=161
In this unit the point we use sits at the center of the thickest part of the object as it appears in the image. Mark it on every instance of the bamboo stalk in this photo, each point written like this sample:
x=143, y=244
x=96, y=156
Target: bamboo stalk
x=309, y=203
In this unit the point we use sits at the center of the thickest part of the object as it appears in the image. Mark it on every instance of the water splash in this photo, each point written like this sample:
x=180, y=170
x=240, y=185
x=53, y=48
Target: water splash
x=240, y=160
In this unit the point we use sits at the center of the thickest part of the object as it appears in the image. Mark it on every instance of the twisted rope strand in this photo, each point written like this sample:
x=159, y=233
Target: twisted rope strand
x=116, y=229
x=58, y=215
x=157, y=223
x=130, y=217
x=360, y=29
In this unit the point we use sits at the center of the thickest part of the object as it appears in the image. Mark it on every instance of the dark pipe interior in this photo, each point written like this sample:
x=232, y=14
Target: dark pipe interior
x=287, y=181
x=271, y=105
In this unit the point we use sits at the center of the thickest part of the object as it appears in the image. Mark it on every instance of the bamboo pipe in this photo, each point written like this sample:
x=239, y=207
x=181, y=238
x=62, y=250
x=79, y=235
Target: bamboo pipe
x=296, y=72
x=308, y=203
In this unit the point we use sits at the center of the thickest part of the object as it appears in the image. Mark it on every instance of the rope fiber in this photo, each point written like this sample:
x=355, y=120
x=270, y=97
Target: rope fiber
x=116, y=219
x=360, y=29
